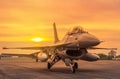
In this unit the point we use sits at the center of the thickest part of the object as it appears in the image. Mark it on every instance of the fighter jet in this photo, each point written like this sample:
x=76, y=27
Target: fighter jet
x=3, y=56
x=74, y=46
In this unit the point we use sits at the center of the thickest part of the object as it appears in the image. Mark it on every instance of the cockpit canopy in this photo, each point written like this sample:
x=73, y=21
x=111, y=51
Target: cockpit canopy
x=77, y=29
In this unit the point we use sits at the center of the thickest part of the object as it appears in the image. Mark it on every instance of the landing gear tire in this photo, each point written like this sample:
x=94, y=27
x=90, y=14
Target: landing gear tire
x=36, y=60
x=48, y=65
x=76, y=65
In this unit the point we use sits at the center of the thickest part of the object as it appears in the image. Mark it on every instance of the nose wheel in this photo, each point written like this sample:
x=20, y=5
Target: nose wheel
x=74, y=67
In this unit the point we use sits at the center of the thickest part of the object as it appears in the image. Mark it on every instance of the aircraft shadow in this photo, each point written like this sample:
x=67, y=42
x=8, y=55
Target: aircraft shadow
x=65, y=70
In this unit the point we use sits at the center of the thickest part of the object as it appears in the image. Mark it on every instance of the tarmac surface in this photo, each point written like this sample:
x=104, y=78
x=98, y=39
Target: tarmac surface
x=29, y=69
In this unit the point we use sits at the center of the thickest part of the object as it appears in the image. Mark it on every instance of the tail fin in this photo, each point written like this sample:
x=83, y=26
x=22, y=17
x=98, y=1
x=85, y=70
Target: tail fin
x=55, y=33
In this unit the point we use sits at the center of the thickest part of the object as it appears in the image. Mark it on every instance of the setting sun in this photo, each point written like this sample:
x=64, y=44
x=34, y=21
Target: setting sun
x=37, y=39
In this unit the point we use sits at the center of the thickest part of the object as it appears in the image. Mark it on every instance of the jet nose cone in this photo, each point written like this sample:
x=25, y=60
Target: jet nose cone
x=95, y=41
x=87, y=40
x=92, y=40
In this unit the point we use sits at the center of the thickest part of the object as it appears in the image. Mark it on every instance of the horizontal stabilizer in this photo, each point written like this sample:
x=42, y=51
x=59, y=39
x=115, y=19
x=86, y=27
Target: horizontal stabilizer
x=103, y=48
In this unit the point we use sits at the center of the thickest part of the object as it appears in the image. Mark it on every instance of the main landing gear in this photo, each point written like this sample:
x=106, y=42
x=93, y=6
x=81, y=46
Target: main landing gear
x=54, y=60
x=48, y=65
x=68, y=62
x=36, y=60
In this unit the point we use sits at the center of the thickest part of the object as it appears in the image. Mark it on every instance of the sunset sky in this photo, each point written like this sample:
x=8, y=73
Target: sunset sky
x=23, y=20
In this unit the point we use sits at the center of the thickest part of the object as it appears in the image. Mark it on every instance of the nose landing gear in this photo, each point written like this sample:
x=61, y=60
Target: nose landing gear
x=73, y=65
x=76, y=65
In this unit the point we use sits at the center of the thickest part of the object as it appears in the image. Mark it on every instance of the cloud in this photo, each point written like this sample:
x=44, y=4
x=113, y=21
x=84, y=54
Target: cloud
x=31, y=17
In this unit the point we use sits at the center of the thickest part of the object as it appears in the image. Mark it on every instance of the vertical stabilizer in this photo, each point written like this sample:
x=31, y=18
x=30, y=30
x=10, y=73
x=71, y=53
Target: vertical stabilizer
x=56, y=39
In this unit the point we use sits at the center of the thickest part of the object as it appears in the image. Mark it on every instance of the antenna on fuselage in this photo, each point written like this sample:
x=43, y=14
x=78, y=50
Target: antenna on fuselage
x=56, y=39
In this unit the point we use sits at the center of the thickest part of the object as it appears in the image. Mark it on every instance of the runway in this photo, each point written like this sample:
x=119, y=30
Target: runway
x=29, y=69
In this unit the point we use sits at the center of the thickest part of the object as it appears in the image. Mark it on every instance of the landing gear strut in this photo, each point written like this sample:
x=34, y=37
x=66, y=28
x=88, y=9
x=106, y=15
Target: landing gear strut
x=73, y=65
x=73, y=69
x=54, y=60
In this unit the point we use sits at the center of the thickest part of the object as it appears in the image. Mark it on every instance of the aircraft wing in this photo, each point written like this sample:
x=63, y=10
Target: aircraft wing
x=30, y=48
x=20, y=55
x=39, y=48
x=102, y=48
x=9, y=54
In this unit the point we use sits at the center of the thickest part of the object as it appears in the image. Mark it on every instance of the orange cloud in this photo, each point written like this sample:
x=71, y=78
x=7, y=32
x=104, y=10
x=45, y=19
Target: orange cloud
x=29, y=18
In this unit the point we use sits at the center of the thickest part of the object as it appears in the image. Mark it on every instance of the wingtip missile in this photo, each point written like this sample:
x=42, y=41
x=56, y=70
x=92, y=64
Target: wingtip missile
x=5, y=48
